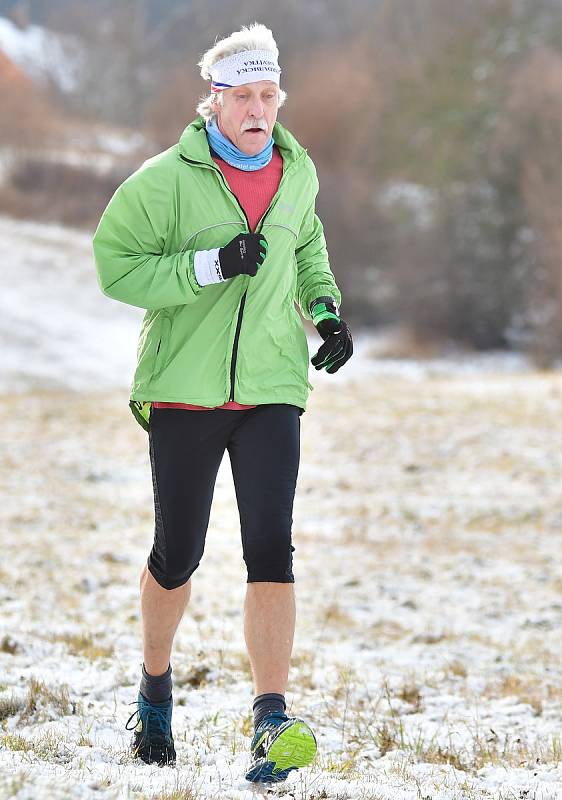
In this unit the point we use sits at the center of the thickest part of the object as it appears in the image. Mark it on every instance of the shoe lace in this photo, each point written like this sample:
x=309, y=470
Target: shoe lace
x=157, y=720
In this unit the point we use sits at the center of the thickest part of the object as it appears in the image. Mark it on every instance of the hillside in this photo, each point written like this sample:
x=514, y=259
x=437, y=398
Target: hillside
x=427, y=530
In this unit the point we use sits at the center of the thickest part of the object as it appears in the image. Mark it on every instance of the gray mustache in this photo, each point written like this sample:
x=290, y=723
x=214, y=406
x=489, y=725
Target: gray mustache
x=258, y=124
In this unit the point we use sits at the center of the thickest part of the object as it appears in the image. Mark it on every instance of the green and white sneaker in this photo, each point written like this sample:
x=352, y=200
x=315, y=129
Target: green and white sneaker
x=280, y=744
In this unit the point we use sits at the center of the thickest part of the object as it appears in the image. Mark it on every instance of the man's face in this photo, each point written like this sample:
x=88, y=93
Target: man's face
x=248, y=115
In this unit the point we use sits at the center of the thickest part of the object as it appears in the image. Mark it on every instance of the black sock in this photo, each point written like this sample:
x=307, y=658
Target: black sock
x=265, y=703
x=156, y=688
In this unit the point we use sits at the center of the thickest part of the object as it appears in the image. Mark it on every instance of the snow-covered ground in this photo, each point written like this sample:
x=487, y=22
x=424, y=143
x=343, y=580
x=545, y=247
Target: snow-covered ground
x=56, y=327
x=427, y=528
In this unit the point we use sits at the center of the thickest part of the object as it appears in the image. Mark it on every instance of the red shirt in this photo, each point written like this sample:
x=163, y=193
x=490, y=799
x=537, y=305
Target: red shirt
x=254, y=191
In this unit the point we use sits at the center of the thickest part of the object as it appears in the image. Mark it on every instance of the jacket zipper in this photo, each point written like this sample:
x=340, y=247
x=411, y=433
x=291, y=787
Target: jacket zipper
x=243, y=299
x=238, y=322
x=235, y=346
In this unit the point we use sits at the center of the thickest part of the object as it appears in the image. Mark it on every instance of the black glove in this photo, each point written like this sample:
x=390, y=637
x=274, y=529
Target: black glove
x=243, y=255
x=338, y=344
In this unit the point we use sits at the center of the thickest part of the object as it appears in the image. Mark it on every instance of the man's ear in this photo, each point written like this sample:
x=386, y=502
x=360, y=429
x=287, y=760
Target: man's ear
x=215, y=105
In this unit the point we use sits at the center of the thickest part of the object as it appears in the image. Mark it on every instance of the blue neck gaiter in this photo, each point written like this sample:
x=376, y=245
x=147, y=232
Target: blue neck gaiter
x=232, y=155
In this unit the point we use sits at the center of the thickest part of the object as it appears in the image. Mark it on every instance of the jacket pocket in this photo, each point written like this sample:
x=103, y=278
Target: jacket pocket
x=163, y=346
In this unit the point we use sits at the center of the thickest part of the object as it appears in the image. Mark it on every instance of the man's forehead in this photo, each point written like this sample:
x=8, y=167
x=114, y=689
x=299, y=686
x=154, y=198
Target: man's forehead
x=256, y=86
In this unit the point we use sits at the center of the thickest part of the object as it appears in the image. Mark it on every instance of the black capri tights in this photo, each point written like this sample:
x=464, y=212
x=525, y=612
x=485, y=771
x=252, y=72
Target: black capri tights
x=186, y=449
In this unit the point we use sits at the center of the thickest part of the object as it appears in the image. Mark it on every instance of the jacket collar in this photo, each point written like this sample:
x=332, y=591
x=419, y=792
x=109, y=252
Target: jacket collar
x=194, y=146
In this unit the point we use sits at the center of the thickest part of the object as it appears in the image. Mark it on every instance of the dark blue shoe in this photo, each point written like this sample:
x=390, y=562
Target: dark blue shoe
x=280, y=744
x=153, y=741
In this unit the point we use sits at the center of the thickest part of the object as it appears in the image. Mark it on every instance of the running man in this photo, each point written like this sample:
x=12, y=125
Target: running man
x=217, y=238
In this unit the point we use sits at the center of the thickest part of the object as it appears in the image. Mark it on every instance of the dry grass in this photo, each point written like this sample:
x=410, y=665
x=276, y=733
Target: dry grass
x=525, y=689
x=10, y=706
x=196, y=676
x=13, y=741
x=388, y=630
x=334, y=616
x=41, y=697
x=410, y=692
x=439, y=581
x=84, y=644
x=302, y=667
x=9, y=645
x=456, y=668
x=185, y=793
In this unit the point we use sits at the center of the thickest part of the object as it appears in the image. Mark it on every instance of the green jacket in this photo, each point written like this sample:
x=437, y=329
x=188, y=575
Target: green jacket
x=242, y=339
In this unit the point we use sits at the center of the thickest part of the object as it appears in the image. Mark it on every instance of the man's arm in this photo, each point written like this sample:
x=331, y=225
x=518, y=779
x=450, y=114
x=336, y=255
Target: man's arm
x=314, y=276
x=129, y=244
x=318, y=294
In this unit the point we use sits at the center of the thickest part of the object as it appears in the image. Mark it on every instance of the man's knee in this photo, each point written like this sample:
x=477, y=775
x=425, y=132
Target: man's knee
x=170, y=579
x=270, y=561
x=266, y=577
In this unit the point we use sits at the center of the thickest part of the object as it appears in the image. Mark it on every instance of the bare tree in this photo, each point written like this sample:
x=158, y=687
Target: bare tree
x=529, y=143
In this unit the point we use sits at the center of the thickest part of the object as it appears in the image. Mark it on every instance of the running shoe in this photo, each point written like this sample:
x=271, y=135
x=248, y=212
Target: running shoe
x=152, y=741
x=279, y=745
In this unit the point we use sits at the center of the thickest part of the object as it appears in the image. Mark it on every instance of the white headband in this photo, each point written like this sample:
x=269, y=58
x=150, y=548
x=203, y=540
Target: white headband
x=249, y=66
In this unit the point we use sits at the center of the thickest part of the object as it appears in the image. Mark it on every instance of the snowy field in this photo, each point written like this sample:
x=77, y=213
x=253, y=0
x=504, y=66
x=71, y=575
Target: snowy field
x=427, y=528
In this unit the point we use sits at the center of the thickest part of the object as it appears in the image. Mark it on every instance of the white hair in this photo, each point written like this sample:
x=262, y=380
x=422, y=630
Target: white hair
x=254, y=37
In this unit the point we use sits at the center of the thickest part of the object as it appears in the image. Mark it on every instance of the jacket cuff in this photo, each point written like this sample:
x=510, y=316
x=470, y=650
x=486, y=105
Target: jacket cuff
x=323, y=308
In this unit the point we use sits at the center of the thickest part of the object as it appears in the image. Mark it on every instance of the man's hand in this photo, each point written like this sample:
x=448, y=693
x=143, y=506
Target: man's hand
x=244, y=255
x=338, y=344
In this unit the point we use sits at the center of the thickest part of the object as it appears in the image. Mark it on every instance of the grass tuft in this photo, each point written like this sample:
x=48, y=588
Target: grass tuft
x=85, y=645
x=10, y=706
x=9, y=645
x=410, y=693
x=41, y=697
x=13, y=741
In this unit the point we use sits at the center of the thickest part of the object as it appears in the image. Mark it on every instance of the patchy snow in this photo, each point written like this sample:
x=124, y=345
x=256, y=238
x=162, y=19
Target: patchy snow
x=43, y=54
x=56, y=327
x=427, y=529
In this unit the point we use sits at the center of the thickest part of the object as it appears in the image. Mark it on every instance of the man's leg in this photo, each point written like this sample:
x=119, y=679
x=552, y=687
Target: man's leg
x=186, y=448
x=162, y=610
x=264, y=453
x=269, y=627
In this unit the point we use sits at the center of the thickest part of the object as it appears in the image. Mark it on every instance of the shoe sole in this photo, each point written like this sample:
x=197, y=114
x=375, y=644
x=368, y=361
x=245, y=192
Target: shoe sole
x=163, y=759
x=295, y=747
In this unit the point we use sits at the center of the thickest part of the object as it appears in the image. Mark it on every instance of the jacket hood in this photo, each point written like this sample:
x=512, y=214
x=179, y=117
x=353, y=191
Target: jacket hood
x=193, y=143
